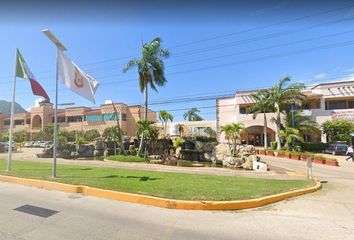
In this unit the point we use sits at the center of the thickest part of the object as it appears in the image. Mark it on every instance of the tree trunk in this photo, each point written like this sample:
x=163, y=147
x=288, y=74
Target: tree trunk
x=278, y=132
x=145, y=118
x=265, y=139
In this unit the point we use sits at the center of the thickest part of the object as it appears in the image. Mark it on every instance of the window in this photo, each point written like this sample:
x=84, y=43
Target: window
x=243, y=110
x=110, y=117
x=7, y=122
x=124, y=117
x=336, y=105
x=351, y=104
x=61, y=119
x=74, y=119
x=93, y=118
x=19, y=122
x=28, y=121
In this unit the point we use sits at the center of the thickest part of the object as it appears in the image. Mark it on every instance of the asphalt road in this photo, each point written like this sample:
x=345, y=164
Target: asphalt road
x=326, y=214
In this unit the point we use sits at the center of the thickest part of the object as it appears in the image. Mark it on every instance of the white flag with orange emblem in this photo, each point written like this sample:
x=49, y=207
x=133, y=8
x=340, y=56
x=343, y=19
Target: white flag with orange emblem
x=75, y=79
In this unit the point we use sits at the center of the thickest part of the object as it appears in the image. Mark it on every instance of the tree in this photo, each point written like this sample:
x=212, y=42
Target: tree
x=282, y=97
x=4, y=137
x=232, y=132
x=289, y=134
x=91, y=135
x=20, y=136
x=338, y=130
x=303, y=123
x=151, y=70
x=262, y=105
x=114, y=134
x=164, y=117
x=210, y=132
x=192, y=115
x=146, y=129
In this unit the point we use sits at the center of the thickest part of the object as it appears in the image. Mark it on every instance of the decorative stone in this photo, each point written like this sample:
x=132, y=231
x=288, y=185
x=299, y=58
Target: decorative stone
x=222, y=150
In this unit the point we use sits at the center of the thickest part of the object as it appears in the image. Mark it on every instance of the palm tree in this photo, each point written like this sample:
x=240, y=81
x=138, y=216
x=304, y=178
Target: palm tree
x=192, y=115
x=151, y=70
x=282, y=98
x=146, y=129
x=303, y=123
x=232, y=132
x=164, y=117
x=289, y=134
x=262, y=105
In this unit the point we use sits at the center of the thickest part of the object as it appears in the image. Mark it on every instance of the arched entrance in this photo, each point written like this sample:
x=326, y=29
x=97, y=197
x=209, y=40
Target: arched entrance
x=36, y=122
x=254, y=136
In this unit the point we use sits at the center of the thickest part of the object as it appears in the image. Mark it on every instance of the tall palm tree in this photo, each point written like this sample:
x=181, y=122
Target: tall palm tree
x=151, y=70
x=303, y=123
x=192, y=115
x=164, y=117
x=282, y=97
x=262, y=105
x=233, y=132
x=289, y=134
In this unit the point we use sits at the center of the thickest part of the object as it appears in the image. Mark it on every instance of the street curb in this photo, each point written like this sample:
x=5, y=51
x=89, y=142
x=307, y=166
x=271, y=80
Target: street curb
x=160, y=202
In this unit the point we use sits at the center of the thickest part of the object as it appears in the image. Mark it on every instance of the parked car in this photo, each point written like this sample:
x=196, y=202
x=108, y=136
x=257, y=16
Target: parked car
x=45, y=144
x=29, y=144
x=337, y=149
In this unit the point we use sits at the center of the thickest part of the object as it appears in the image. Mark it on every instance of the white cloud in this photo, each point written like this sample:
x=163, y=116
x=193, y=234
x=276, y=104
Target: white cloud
x=36, y=104
x=320, y=76
x=108, y=102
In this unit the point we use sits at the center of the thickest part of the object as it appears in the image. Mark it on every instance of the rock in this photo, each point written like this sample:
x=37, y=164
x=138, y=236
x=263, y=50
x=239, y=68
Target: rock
x=246, y=150
x=232, y=162
x=106, y=153
x=248, y=164
x=198, y=145
x=99, y=145
x=178, y=152
x=85, y=150
x=221, y=151
x=155, y=157
x=65, y=153
x=209, y=147
x=207, y=156
x=46, y=153
x=97, y=153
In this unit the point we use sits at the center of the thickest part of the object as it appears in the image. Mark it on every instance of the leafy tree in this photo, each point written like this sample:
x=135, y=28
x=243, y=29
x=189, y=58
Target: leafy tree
x=282, y=97
x=92, y=135
x=146, y=129
x=192, y=115
x=304, y=124
x=262, y=105
x=232, y=132
x=46, y=134
x=4, y=137
x=151, y=70
x=20, y=136
x=210, y=132
x=114, y=134
x=164, y=117
x=289, y=134
x=338, y=130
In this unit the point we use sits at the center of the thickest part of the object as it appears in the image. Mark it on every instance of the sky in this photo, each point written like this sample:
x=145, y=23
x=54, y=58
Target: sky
x=217, y=47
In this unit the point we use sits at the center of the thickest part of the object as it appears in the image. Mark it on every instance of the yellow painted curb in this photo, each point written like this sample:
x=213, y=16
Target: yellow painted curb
x=160, y=202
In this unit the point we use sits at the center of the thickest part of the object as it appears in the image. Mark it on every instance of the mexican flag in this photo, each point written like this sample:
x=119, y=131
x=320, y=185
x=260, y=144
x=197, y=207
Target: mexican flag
x=22, y=71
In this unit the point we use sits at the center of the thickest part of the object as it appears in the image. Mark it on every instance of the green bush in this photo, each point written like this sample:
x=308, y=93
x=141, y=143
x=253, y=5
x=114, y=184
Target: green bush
x=123, y=158
x=205, y=139
x=178, y=142
x=313, y=146
x=273, y=145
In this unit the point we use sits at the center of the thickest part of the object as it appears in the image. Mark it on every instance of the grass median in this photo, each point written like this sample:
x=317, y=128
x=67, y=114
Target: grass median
x=123, y=158
x=160, y=184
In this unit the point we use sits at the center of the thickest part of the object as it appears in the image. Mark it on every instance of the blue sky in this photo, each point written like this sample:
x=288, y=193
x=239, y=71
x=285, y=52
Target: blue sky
x=102, y=41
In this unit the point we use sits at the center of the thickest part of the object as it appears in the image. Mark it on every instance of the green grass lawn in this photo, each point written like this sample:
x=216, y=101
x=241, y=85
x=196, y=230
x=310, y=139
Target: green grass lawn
x=160, y=184
x=123, y=158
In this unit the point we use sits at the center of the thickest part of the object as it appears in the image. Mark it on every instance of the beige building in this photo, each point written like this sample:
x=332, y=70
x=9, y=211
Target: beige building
x=78, y=118
x=326, y=101
x=186, y=128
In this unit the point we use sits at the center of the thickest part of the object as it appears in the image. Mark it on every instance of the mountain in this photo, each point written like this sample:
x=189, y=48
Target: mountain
x=5, y=107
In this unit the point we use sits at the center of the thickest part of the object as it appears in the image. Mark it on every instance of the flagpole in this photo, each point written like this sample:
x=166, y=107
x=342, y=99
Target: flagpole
x=59, y=47
x=9, y=160
x=55, y=141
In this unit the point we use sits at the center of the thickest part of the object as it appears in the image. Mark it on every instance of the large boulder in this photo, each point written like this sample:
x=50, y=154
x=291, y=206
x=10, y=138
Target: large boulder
x=85, y=150
x=221, y=151
x=247, y=150
x=198, y=145
x=248, y=162
x=232, y=162
x=99, y=145
x=209, y=147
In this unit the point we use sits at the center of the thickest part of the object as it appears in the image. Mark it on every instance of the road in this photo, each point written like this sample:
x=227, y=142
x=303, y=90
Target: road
x=326, y=214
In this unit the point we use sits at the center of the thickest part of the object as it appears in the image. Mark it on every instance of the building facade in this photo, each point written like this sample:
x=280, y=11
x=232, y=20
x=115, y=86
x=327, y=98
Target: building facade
x=326, y=101
x=78, y=118
x=186, y=128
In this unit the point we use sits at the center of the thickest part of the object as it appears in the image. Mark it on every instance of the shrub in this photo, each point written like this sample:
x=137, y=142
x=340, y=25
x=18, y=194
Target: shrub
x=313, y=147
x=178, y=142
x=295, y=153
x=319, y=157
x=205, y=139
x=330, y=159
x=273, y=145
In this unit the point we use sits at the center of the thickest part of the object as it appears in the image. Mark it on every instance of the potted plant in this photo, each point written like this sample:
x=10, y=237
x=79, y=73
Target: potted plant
x=319, y=159
x=331, y=162
x=295, y=155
